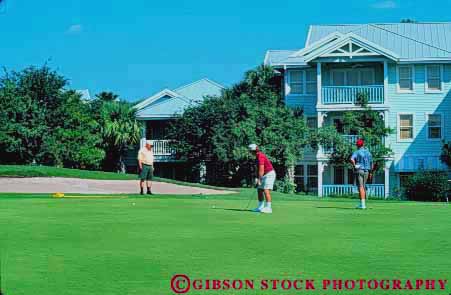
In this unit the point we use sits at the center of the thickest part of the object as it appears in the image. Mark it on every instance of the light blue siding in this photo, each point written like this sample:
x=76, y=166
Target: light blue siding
x=305, y=101
x=419, y=104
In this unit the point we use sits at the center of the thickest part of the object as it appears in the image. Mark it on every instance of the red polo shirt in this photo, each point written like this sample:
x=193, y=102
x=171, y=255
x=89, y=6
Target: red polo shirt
x=263, y=160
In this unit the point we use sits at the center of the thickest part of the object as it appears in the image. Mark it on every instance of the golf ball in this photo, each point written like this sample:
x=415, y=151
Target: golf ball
x=133, y=204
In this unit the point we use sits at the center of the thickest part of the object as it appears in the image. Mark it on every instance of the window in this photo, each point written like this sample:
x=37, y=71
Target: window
x=339, y=126
x=351, y=176
x=296, y=82
x=366, y=77
x=434, y=122
x=299, y=178
x=339, y=175
x=339, y=78
x=420, y=164
x=310, y=82
x=312, y=123
x=312, y=177
x=306, y=180
x=302, y=82
x=433, y=78
x=405, y=78
x=353, y=77
x=405, y=126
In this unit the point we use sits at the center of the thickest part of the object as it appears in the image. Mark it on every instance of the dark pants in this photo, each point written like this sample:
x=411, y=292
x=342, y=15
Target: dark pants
x=146, y=173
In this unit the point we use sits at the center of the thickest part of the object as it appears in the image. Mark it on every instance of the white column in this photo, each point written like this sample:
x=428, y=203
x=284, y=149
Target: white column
x=387, y=178
x=203, y=172
x=143, y=134
x=319, y=84
x=321, y=117
x=385, y=82
x=320, y=178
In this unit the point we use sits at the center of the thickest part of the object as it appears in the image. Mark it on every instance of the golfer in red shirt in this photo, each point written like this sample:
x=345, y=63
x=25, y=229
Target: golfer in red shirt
x=265, y=181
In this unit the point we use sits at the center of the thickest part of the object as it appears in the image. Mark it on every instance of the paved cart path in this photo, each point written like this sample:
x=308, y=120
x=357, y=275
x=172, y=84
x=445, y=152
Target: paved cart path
x=92, y=186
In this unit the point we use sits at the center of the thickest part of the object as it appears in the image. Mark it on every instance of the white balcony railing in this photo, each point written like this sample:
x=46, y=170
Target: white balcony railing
x=162, y=148
x=372, y=190
x=348, y=94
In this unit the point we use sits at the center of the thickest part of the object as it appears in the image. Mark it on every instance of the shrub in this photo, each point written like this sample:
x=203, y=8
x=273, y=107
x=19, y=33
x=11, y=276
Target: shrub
x=427, y=186
x=285, y=185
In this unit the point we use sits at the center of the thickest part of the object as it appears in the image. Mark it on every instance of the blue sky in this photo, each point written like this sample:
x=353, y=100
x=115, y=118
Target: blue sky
x=137, y=47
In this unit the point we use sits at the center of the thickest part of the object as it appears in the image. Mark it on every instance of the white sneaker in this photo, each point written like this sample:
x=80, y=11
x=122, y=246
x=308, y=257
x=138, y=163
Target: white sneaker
x=360, y=207
x=257, y=209
x=266, y=210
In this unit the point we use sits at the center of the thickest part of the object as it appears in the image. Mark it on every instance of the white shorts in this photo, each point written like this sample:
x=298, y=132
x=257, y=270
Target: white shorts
x=268, y=180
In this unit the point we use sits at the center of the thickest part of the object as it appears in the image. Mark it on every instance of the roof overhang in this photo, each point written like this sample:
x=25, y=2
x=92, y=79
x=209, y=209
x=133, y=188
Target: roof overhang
x=318, y=44
x=162, y=93
x=337, y=48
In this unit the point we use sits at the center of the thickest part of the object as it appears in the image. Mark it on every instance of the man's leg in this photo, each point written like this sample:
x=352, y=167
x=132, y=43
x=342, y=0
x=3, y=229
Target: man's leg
x=261, y=203
x=268, y=197
x=141, y=185
x=260, y=195
x=270, y=178
x=149, y=186
x=361, y=179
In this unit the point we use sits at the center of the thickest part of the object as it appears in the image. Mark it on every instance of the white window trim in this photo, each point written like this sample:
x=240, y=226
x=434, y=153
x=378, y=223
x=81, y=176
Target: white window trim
x=398, y=89
x=306, y=176
x=304, y=82
x=398, y=128
x=345, y=70
x=442, y=126
x=345, y=175
x=426, y=86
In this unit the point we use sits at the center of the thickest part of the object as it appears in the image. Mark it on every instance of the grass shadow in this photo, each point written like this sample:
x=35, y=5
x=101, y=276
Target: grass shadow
x=239, y=210
x=331, y=207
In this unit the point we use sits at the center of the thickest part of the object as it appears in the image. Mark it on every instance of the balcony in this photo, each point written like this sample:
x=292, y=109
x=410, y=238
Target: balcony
x=373, y=190
x=352, y=139
x=162, y=148
x=348, y=94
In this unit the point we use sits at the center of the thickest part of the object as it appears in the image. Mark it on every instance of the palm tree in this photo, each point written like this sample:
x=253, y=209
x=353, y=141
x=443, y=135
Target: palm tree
x=119, y=129
x=107, y=96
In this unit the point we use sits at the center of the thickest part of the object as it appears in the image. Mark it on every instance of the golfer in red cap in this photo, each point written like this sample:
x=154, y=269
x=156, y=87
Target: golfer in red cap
x=363, y=164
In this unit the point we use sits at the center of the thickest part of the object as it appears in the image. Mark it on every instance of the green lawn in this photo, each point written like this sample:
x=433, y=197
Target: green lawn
x=111, y=246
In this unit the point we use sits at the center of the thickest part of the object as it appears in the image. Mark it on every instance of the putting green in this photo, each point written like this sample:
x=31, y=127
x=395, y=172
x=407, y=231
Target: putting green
x=135, y=245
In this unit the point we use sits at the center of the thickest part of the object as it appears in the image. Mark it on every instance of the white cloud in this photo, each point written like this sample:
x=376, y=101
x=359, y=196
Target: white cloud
x=387, y=4
x=75, y=29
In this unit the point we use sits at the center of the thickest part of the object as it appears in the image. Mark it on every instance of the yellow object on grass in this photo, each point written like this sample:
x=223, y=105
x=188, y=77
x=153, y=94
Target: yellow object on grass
x=58, y=195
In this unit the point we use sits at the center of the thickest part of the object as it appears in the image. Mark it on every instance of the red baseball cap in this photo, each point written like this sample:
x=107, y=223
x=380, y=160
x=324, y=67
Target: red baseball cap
x=359, y=143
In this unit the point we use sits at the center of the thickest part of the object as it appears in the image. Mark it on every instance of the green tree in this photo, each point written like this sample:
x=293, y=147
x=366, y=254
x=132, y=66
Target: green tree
x=107, y=96
x=367, y=124
x=74, y=142
x=220, y=129
x=120, y=130
x=36, y=108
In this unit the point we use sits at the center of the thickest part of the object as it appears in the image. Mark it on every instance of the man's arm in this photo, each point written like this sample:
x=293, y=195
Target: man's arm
x=352, y=159
x=261, y=172
x=140, y=163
